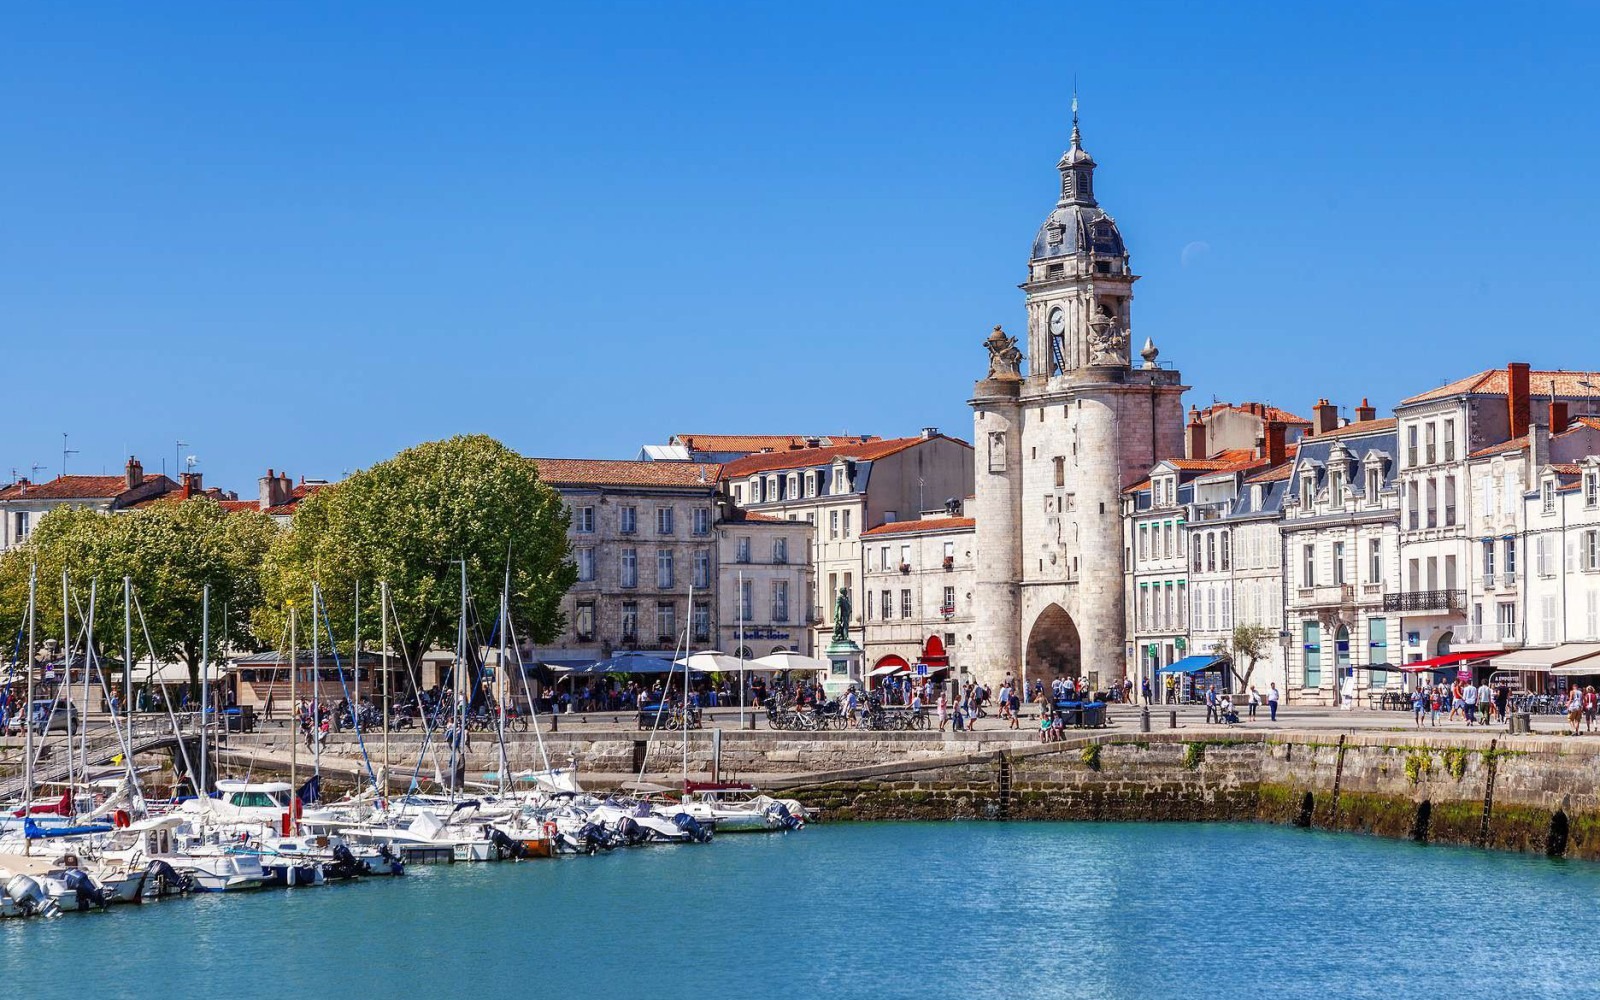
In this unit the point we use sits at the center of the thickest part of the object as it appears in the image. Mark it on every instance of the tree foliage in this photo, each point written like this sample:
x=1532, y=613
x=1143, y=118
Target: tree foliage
x=171, y=551
x=1248, y=643
x=408, y=522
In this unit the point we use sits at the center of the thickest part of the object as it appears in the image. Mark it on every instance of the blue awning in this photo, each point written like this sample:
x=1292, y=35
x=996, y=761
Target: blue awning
x=1193, y=664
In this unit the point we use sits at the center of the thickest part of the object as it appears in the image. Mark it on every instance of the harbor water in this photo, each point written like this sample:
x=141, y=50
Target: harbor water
x=958, y=910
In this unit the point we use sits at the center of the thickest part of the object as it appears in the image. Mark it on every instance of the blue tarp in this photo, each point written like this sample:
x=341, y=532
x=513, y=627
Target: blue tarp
x=1193, y=664
x=631, y=663
x=34, y=831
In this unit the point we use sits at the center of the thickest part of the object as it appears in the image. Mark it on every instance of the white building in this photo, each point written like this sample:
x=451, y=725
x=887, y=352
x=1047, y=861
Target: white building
x=23, y=503
x=844, y=490
x=917, y=593
x=764, y=584
x=1561, y=585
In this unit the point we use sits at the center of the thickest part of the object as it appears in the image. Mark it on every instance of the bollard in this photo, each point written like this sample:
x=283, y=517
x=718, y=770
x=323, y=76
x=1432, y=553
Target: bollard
x=1144, y=719
x=1172, y=719
x=555, y=722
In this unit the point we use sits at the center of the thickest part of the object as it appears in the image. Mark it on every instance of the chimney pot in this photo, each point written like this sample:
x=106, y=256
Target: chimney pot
x=1366, y=411
x=133, y=473
x=1197, y=435
x=1277, y=449
x=1326, y=417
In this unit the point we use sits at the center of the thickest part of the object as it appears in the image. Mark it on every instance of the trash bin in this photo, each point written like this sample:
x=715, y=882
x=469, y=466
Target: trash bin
x=1094, y=715
x=1144, y=719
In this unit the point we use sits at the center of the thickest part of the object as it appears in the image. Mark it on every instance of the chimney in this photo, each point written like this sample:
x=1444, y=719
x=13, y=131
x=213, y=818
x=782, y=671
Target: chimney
x=1277, y=449
x=1559, y=421
x=190, y=483
x=1366, y=411
x=1326, y=417
x=1197, y=435
x=929, y=433
x=133, y=473
x=1517, y=411
x=1538, y=450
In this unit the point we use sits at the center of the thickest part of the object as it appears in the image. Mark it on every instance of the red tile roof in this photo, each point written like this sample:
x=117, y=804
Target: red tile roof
x=1265, y=411
x=1277, y=474
x=806, y=457
x=1586, y=420
x=76, y=488
x=767, y=518
x=927, y=524
x=1515, y=444
x=1496, y=382
x=751, y=443
x=1360, y=427
x=608, y=472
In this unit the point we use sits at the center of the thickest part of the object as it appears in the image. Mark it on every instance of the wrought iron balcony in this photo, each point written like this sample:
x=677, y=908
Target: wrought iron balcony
x=1427, y=600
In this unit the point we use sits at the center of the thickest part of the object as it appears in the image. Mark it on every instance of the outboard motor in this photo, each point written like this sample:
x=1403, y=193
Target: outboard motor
x=630, y=832
x=168, y=879
x=345, y=864
x=504, y=845
x=397, y=865
x=783, y=817
x=88, y=893
x=697, y=832
x=31, y=897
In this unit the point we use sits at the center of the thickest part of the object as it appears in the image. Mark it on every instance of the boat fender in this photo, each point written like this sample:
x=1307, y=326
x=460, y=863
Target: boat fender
x=121, y=819
x=288, y=825
x=550, y=828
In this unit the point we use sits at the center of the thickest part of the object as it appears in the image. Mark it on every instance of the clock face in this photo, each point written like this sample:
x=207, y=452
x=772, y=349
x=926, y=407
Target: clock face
x=1058, y=321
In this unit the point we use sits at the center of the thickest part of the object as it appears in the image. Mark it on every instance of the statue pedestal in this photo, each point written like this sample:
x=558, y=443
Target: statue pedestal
x=847, y=659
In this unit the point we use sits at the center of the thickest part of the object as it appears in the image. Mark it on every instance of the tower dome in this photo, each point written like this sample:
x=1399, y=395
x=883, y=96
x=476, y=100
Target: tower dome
x=1077, y=225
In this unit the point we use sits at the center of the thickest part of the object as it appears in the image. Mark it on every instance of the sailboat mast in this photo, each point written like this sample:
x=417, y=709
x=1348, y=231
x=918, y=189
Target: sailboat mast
x=294, y=704
x=500, y=682
x=740, y=602
x=88, y=651
x=316, y=683
x=686, y=653
x=127, y=662
x=355, y=666
x=66, y=669
x=27, y=706
x=383, y=613
x=205, y=685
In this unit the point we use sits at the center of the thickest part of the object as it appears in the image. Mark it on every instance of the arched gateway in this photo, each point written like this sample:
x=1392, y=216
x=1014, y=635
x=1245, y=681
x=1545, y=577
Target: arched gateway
x=1053, y=645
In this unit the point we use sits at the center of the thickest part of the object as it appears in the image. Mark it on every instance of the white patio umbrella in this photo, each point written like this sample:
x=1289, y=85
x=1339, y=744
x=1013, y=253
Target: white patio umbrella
x=713, y=661
x=789, y=660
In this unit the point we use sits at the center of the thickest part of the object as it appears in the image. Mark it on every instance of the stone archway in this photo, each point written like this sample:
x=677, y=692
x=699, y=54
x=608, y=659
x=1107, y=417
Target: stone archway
x=1054, y=648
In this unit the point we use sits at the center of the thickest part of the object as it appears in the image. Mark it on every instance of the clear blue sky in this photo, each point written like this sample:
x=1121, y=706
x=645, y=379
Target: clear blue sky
x=307, y=235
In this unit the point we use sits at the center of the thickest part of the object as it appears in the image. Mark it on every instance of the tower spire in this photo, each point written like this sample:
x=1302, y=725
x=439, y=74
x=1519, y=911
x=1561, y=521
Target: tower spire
x=1077, y=139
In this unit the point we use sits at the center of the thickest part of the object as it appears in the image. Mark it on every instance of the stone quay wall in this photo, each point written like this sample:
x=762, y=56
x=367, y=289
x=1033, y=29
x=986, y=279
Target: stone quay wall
x=1531, y=794
x=1516, y=794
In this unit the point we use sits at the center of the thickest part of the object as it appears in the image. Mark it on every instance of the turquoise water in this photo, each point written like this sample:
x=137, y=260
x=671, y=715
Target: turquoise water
x=959, y=910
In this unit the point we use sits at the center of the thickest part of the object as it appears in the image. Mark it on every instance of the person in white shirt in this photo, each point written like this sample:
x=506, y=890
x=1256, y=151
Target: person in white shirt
x=1469, y=702
x=1485, y=703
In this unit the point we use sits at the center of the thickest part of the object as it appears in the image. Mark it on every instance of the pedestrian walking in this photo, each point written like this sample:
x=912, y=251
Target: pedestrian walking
x=1272, y=701
x=1419, y=705
x=1254, y=702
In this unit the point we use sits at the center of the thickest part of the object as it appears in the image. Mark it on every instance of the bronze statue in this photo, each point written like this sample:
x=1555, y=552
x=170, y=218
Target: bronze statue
x=841, y=617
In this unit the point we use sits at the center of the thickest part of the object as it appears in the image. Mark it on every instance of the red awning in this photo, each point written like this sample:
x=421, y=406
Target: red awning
x=933, y=653
x=1448, y=660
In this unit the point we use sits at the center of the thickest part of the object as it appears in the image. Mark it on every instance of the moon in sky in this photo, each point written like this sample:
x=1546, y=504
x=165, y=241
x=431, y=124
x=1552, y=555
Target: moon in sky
x=1192, y=252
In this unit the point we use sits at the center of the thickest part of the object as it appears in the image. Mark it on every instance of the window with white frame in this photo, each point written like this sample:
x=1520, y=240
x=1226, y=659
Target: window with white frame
x=1411, y=446
x=1547, y=496
x=905, y=604
x=585, y=564
x=1430, y=451
x=887, y=607
x=1375, y=560
x=702, y=520
x=630, y=567
x=846, y=524
x=780, y=602
x=746, y=611
x=664, y=569
x=1449, y=500
x=1338, y=564
x=583, y=520
x=1308, y=566
x=1449, y=440
x=1591, y=489
x=666, y=621
x=630, y=620
x=583, y=621
x=780, y=551
x=741, y=549
x=628, y=520
x=663, y=520
x=702, y=569
x=1591, y=550
x=833, y=524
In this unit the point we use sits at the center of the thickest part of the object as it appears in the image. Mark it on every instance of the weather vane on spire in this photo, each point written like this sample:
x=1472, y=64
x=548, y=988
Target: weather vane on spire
x=1076, y=138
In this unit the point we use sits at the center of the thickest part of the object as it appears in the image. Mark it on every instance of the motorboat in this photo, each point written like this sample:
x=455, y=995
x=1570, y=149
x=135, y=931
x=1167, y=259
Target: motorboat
x=739, y=808
x=206, y=866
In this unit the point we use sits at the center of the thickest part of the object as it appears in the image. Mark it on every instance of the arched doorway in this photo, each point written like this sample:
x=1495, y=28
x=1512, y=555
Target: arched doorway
x=1053, y=645
x=1442, y=648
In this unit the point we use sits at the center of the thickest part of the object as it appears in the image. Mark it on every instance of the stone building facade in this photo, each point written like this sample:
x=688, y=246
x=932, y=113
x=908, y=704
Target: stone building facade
x=917, y=593
x=1057, y=444
x=764, y=584
x=642, y=535
x=1561, y=519
x=844, y=490
x=23, y=503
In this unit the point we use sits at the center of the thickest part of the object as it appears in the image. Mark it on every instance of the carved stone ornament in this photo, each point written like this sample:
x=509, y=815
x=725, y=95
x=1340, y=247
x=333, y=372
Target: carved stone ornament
x=1005, y=358
x=1108, y=342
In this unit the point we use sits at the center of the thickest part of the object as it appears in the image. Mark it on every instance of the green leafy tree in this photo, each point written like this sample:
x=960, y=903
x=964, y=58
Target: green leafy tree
x=1248, y=643
x=171, y=551
x=409, y=522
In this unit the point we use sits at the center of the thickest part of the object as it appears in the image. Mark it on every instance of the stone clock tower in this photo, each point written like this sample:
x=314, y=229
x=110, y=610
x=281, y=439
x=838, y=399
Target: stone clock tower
x=1056, y=445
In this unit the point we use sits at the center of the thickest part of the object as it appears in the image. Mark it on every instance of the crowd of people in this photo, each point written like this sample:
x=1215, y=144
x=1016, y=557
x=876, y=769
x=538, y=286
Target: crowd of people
x=1476, y=704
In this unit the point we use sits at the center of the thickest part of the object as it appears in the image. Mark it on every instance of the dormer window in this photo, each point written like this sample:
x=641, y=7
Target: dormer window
x=1591, y=489
x=1547, y=496
x=1374, y=484
x=1055, y=234
x=1336, y=484
x=1307, y=488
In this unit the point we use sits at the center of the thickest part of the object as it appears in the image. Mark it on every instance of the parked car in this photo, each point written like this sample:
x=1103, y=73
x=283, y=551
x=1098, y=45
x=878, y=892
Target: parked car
x=48, y=717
